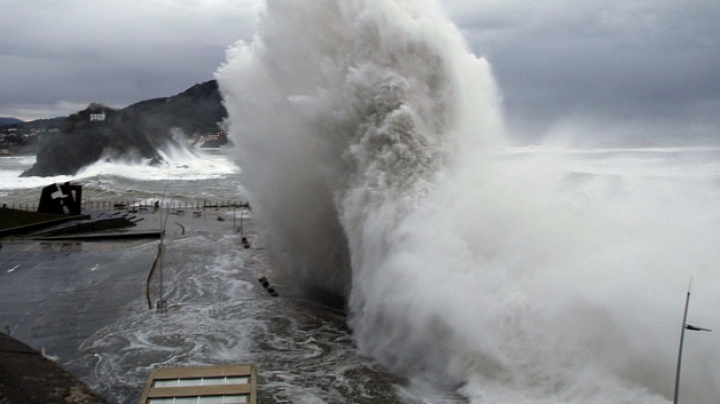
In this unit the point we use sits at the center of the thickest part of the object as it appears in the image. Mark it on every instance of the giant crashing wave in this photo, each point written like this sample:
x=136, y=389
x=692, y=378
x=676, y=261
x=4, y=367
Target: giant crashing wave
x=367, y=135
x=343, y=107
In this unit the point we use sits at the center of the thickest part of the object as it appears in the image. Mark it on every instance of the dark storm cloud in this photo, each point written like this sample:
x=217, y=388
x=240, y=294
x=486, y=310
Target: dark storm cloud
x=610, y=62
x=60, y=55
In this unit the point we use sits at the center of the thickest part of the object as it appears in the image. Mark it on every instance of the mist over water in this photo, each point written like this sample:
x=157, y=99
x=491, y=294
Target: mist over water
x=372, y=150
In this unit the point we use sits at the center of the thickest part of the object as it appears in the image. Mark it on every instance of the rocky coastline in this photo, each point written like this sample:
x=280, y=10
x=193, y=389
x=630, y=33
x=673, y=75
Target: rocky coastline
x=136, y=132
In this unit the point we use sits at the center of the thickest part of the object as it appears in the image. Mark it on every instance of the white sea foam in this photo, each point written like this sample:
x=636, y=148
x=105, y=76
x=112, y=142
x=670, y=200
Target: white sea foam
x=371, y=144
x=179, y=164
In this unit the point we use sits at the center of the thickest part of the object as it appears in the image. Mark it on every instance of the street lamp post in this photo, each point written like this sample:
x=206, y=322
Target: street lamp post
x=685, y=326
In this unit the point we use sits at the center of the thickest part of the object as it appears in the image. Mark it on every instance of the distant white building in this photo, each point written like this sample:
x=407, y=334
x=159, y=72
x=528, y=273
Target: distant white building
x=99, y=117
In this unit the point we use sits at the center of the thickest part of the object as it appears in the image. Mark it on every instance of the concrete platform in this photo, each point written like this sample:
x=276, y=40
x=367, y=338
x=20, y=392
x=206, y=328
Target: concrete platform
x=54, y=294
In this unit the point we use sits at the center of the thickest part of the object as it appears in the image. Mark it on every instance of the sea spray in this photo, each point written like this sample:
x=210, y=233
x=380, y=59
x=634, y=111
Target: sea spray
x=369, y=142
x=325, y=82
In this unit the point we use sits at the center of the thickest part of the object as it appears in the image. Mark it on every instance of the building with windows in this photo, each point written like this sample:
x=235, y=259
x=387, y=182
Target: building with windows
x=97, y=117
x=222, y=384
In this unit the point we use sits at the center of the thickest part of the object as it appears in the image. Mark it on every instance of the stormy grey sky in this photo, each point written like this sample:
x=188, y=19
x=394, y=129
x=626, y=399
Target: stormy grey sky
x=612, y=66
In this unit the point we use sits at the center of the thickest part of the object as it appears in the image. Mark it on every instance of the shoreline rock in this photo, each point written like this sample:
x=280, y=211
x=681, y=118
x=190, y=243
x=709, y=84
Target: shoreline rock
x=27, y=376
x=135, y=132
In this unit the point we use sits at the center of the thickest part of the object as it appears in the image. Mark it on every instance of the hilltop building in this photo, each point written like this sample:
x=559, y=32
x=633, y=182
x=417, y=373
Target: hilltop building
x=97, y=117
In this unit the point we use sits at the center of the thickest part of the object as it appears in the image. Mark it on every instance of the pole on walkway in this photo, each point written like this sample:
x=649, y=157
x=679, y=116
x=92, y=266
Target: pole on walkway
x=685, y=326
x=242, y=213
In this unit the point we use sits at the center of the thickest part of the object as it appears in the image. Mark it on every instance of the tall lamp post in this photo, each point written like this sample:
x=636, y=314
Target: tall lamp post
x=685, y=326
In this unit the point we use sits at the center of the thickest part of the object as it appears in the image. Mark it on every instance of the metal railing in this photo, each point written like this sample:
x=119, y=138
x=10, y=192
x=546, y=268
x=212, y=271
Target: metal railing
x=129, y=204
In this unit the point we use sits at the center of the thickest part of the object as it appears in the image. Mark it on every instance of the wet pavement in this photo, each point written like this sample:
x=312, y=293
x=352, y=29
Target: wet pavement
x=84, y=303
x=55, y=294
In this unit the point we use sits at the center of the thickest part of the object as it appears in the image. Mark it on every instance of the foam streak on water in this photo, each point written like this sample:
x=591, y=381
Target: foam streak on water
x=126, y=180
x=369, y=138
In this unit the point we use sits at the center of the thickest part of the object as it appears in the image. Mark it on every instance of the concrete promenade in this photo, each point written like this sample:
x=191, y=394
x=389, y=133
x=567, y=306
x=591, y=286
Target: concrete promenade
x=54, y=294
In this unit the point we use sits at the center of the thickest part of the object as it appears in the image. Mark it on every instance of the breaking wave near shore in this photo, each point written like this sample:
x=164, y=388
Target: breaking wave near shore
x=371, y=144
x=178, y=163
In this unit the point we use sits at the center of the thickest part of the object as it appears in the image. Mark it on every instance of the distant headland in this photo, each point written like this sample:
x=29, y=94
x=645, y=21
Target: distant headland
x=67, y=144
